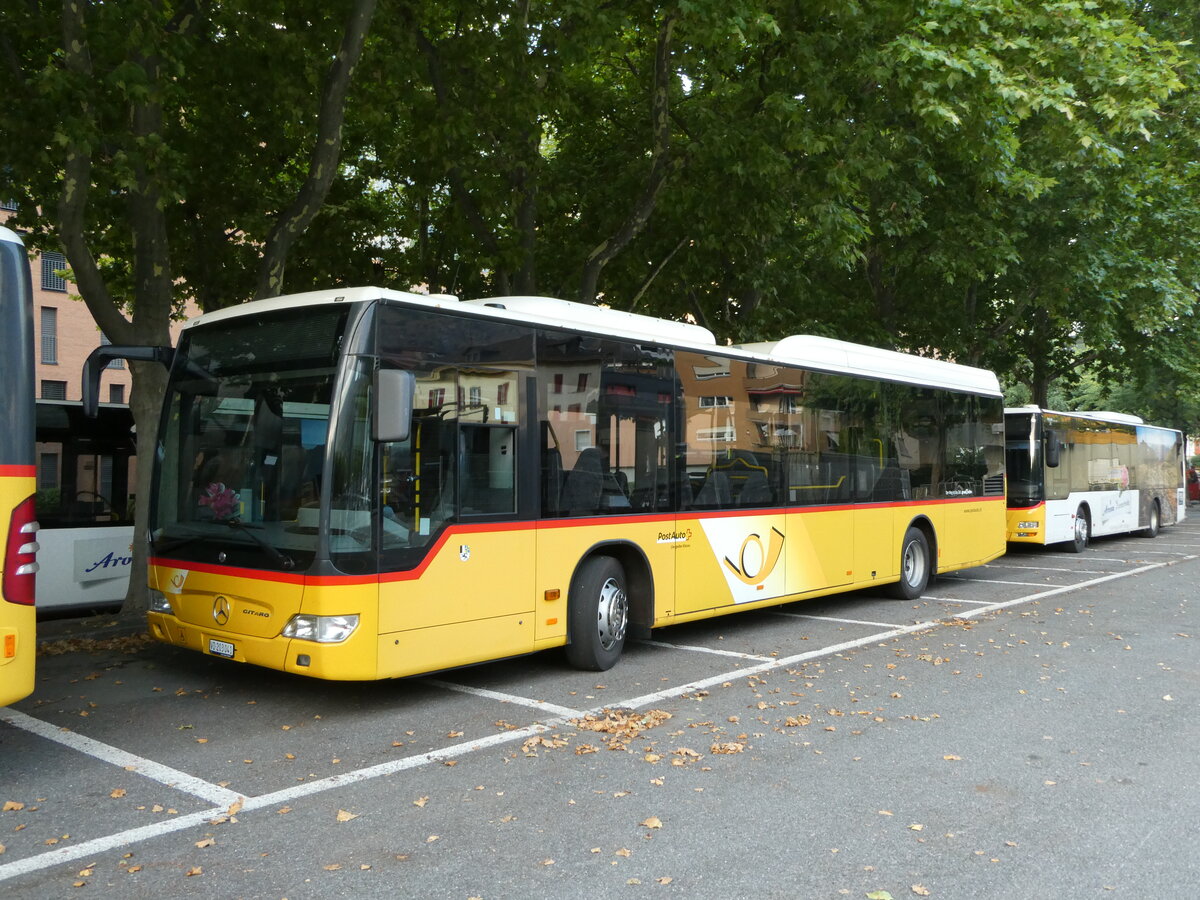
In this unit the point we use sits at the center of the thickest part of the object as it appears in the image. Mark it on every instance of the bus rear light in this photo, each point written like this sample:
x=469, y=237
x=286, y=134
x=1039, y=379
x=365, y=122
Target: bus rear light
x=1027, y=524
x=320, y=629
x=20, y=561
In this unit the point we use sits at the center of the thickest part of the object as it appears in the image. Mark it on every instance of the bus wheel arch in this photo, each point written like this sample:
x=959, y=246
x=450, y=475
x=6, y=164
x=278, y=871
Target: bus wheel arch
x=1082, y=530
x=610, y=595
x=918, y=560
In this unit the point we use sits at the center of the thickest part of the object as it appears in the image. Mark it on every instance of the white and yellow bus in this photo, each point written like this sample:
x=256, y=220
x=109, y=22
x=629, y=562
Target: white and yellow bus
x=365, y=484
x=1075, y=476
x=17, y=473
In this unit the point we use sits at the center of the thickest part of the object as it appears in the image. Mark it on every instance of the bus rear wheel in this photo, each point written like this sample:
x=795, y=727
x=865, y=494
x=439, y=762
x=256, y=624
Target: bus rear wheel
x=1152, y=529
x=915, y=566
x=1083, y=532
x=598, y=615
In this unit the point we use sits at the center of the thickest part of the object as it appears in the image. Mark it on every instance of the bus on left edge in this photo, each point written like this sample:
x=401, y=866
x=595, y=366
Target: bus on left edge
x=17, y=472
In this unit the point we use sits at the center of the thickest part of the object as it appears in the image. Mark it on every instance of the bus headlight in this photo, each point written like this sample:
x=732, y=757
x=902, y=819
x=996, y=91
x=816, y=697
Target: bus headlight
x=1027, y=524
x=321, y=629
x=159, y=602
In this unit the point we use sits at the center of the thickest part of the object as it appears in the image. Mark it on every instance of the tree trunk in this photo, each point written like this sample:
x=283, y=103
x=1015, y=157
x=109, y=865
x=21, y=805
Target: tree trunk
x=145, y=402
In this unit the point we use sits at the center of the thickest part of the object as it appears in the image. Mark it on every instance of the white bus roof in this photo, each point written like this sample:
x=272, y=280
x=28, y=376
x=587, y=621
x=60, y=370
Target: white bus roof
x=1098, y=414
x=840, y=357
x=857, y=359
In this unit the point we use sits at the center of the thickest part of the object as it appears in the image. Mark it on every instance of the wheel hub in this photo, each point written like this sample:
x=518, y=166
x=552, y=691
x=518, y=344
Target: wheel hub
x=612, y=614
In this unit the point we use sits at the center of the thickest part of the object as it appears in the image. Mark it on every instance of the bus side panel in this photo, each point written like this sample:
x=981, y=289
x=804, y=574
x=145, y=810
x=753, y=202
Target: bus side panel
x=561, y=545
x=730, y=559
x=876, y=538
x=17, y=620
x=91, y=566
x=971, y=533
x=471, y=574
x=820, y=549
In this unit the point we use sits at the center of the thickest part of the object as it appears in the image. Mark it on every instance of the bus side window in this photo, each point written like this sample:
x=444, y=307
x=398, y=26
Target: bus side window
x=489, y=470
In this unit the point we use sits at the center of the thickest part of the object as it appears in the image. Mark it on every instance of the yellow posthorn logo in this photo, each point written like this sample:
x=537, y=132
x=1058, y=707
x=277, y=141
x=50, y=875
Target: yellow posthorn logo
x=761, y=563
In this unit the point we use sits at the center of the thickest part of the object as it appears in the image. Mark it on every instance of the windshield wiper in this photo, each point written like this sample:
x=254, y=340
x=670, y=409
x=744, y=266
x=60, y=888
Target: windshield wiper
x=279, y=557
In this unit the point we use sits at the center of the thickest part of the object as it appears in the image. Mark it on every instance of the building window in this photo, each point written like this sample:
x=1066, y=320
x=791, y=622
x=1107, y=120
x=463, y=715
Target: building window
x=10, y=205
x=581, y=385
x=52, y=264
x=476, y=395
x=437, y=397
x=116, y=393
x=49, y=335
x=54, y=390
x=502, y=394
x=558, y=383
x=711, y=402
x=47, y=471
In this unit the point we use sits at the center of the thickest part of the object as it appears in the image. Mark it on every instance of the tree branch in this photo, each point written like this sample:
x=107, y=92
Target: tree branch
x=323, y=162
x=660, y=169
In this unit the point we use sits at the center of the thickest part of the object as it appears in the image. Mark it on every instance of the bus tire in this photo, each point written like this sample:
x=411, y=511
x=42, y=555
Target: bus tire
x=916, y=565
x=1083, y=531
x=597, y=614
x=1155, y=525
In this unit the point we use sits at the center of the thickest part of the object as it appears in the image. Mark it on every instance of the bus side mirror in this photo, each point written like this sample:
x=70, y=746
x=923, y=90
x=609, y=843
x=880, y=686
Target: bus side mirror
x=1053, y=449
x=98, y=361
x=394, y=391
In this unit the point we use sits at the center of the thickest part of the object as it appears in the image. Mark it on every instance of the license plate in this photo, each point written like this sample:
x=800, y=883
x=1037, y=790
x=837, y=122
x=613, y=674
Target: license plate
x=220, y=648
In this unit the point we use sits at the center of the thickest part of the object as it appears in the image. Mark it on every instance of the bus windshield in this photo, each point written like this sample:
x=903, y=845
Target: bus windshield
x=1023, y=460
x=243, y=440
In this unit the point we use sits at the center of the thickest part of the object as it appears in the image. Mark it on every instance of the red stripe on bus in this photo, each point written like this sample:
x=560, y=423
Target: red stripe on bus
x=1032, y=506
x=17, y=471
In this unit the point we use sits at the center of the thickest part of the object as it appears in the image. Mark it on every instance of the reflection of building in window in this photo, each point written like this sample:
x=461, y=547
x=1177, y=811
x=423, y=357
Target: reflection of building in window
x=583, y=440
x=116, y=393
x=723, y=434
x=710, y=402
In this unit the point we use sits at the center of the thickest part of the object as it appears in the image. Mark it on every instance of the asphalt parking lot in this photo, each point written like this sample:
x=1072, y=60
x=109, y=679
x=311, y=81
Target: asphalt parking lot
x=1027, y=723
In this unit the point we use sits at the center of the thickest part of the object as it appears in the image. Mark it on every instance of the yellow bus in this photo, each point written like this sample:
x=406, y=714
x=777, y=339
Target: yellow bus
x=17, y=473
x=364, y=484
x=1074, y=476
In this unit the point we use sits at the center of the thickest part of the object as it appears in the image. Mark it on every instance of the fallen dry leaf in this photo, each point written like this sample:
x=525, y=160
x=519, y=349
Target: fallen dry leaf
x=234, y=808
x=13, y=806
x=195, y=870
x=117, y=793
x=420, y=801
x=652, y=822
x=207, y=842
x=333, y=867
x=343, y=816
x=920, y=890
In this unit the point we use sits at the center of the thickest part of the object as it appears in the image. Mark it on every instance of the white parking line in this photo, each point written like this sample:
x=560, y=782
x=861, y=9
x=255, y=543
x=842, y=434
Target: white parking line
x=835, y=619
x=956, y=600
x=135, y=835
x=694, y=649
x=172, y=778
x=998, y=581
x=505, y=698
x=1045, y=569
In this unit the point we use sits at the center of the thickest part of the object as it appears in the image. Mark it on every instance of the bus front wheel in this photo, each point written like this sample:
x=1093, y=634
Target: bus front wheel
x=598, y=614
x=1083, y=532
x=915, y=565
